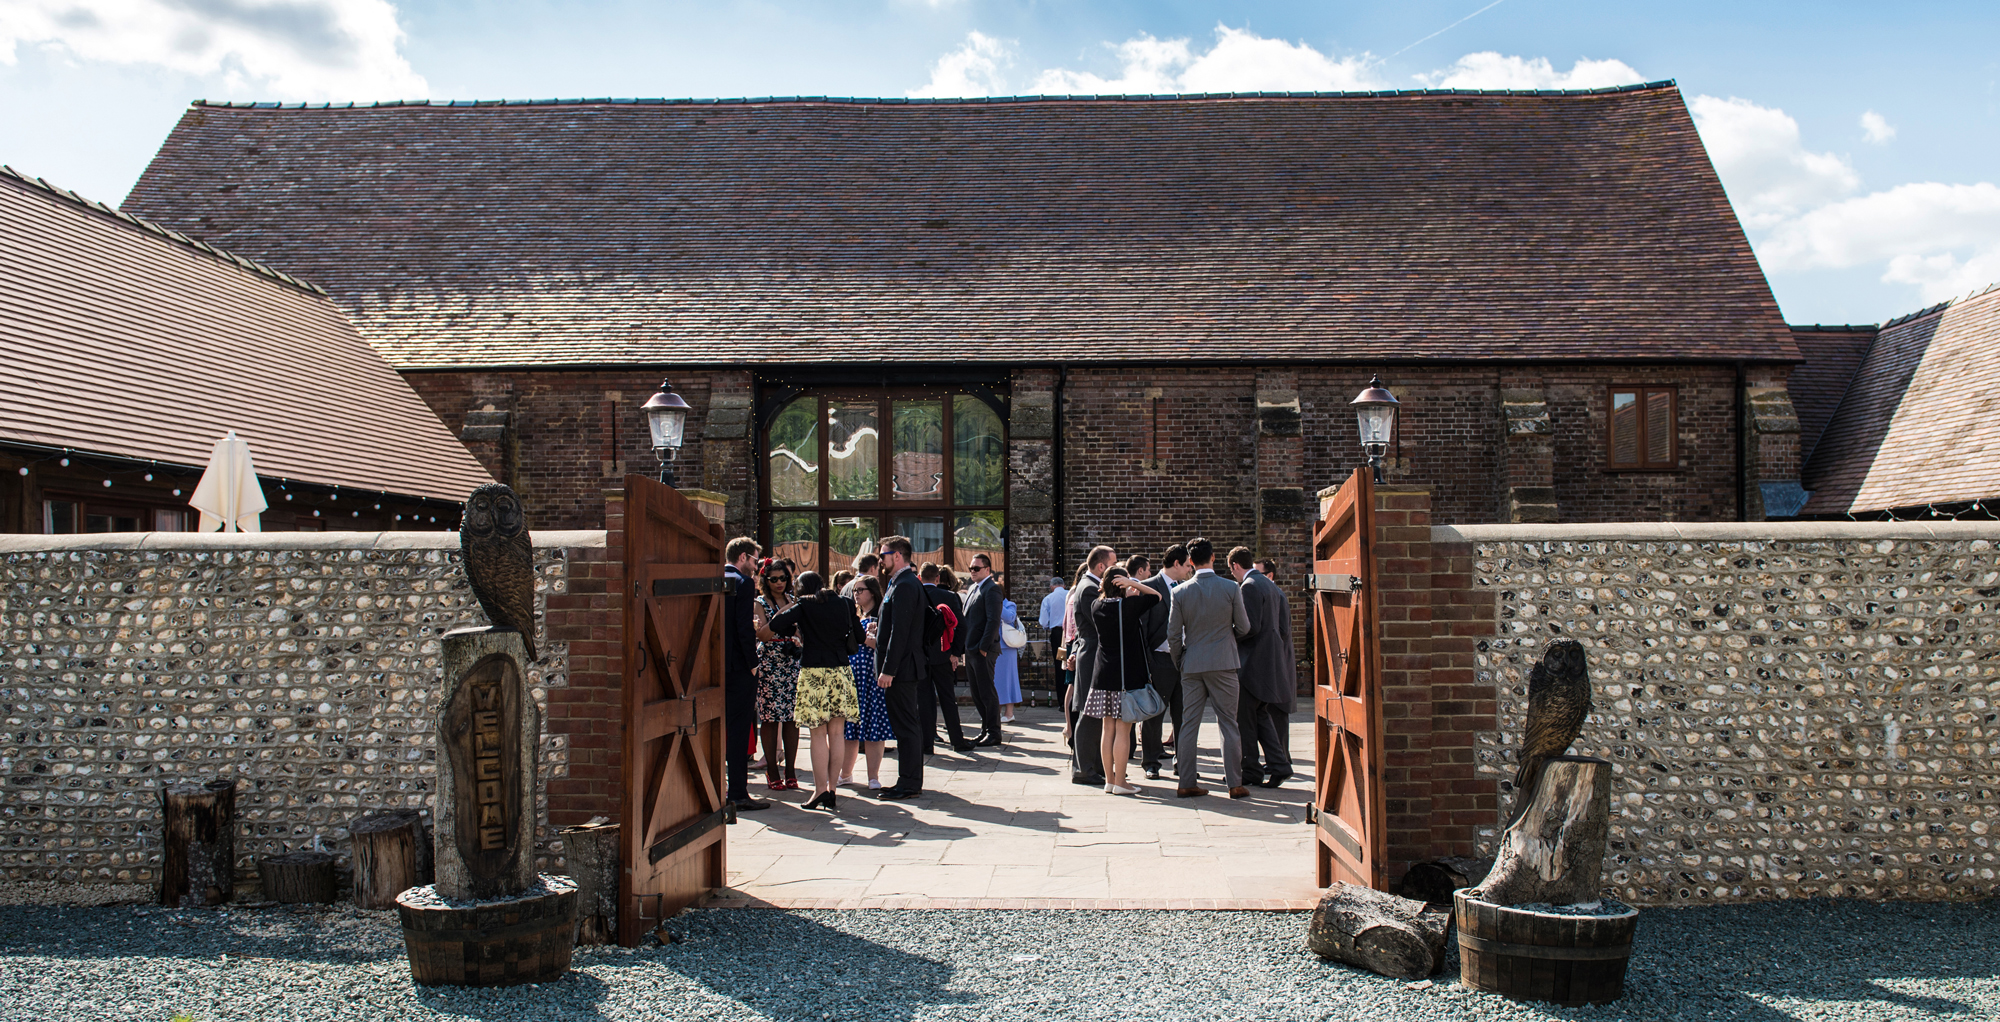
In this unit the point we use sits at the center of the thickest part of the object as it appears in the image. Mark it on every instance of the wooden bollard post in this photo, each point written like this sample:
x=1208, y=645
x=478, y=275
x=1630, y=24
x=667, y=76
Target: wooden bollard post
x=392, y=853
x=297, y=878
x=198, y=839
x=591, y=852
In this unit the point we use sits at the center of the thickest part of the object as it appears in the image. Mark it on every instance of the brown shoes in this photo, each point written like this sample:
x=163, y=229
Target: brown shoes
x=1239, y=792
x=1190, y=792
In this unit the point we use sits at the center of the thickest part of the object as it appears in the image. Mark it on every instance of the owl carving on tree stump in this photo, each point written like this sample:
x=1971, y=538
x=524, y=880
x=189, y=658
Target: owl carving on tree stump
x=1558, y=701
x=500, y=560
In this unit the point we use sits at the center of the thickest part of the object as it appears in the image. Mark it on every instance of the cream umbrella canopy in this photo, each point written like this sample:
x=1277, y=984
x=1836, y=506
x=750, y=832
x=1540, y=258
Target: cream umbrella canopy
x=229, y=496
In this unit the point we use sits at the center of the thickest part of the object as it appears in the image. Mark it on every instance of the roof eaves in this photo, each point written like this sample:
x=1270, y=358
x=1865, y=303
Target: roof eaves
x=129, y=220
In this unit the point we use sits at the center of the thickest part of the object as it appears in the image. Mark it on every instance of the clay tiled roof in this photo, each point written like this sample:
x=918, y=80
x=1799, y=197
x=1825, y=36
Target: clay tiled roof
x=126, y=339
x=1831, y=354
x=1343, y=227
x=1921, y=420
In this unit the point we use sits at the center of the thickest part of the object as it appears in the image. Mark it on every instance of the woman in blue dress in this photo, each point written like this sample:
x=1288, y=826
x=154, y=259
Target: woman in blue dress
x=870, y=730
x=1007, y=667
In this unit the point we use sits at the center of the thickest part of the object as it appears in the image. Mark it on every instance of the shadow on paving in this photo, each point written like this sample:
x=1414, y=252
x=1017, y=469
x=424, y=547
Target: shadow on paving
x=790, y=968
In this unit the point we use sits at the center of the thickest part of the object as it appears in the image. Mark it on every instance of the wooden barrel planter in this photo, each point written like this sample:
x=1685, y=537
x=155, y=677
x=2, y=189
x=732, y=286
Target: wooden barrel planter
x=497, y=942
x=1542, y=956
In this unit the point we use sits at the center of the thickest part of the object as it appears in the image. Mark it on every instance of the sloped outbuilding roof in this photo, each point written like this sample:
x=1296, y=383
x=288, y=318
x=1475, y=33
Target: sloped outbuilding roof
x=125, y=338
x=1343, y=227
x=1920, y=422
x=1816, y=386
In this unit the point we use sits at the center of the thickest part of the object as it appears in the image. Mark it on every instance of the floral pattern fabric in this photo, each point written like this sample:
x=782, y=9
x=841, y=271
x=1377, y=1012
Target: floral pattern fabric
x=824, y=694
x=778, y=676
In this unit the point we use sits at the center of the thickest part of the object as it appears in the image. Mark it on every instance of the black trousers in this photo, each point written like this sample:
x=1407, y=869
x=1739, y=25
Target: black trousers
x=1166, y=679
x=911, y=726
x=941, y=693
x=739, y=721
x=985, y=698
x=1266, y=727
x=1086, y=764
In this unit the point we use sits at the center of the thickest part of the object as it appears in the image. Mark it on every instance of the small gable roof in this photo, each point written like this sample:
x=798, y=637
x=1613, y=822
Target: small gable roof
x=1339, y=227
x=128, y=339
x=1920, y=423
x=1832, y=354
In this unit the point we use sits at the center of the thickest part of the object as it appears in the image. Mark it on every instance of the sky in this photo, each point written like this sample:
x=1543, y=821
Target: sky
x=1859, y=142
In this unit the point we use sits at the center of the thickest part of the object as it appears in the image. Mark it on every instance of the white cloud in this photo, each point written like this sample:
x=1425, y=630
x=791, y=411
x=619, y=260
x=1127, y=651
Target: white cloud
x=1240, y=61
x=1942, y=239
x=970, y=70
x=1491, y=70
x=265, y=49
x=1765, y=167
x=1876, y=128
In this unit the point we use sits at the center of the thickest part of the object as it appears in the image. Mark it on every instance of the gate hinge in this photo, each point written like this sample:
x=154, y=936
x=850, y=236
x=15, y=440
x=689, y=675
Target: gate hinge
x=1336, y=583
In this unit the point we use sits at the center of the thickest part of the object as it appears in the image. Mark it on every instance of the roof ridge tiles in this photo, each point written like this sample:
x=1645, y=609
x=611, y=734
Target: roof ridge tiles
x=1919, y=314
x=64, y=194
x=1183, y=97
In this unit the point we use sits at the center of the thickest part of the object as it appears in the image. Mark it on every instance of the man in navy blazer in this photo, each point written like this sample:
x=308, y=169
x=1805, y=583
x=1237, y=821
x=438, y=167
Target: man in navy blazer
x=982, y=647
x=900, y=666
x=739, y=655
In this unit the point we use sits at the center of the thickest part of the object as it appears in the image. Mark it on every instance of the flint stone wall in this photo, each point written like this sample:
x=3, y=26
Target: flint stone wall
x=305, y=665
x=1793, y=709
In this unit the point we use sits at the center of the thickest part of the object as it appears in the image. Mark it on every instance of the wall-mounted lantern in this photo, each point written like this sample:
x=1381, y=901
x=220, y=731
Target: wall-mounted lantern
x=1375, y=411
x=666, y=415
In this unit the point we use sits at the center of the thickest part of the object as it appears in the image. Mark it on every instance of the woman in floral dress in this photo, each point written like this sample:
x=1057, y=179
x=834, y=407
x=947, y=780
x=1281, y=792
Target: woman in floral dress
x=869, y=730
x=777, y=674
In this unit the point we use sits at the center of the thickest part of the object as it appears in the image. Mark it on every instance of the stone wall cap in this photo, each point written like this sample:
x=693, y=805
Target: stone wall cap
x=1716, y=532
x=15, y=544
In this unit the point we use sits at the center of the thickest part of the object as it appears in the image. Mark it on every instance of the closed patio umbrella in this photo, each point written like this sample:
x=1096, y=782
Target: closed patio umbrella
x=228, y=496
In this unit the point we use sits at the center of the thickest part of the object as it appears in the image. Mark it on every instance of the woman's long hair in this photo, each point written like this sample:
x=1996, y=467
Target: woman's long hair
x=1105, y=591
x=810, y=584
x=764, y=581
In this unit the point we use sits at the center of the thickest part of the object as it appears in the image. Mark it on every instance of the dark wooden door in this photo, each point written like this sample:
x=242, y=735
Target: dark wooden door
x=1347, y=691
x=671, y=847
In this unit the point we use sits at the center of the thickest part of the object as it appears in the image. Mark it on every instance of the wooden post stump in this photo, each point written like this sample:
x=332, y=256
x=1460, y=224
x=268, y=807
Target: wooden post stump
x=392, y=854
x=1378, y=931
x=297, y=878
x=198, y=839
x=1554, y=853
x=524, y=938
x=591, y=851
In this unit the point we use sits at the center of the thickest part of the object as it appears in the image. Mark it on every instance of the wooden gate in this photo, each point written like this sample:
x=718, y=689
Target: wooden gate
x=1347, y=691
x=671, y=848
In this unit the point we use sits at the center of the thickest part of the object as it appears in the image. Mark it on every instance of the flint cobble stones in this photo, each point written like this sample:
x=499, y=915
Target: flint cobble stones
x=1786, y=718
x=312, y=675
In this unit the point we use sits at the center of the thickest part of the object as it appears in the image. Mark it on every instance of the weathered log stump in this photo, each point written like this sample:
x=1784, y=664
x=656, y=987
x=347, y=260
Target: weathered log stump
x=1378, y=931
x=198, y=839
x=392, y=854
x=297, y=878
x=591, y=851
x=1567, y=956
x=1554, y=853
x=526, y=938
x=1433, y=880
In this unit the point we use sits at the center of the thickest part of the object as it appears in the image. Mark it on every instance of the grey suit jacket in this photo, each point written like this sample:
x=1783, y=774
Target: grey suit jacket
x=982, y=619
x=1080, y=600
x=1202, y=626
x=1270, y=666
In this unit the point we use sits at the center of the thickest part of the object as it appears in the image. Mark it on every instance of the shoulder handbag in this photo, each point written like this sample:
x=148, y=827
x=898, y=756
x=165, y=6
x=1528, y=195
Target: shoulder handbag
x=1134, y=704
x=1014, y=636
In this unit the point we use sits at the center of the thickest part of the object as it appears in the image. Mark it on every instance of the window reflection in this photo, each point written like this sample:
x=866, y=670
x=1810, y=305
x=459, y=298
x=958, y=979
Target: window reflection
x=917, y=469
x=978, y=532
x=848, y=537
x=795, y=535
x=978, y=456
x=853, y=451
x=926, y=535
x=795, y=455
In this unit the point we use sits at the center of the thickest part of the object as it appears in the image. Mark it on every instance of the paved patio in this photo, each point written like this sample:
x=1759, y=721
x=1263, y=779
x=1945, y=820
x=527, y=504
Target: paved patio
x=1004, y=828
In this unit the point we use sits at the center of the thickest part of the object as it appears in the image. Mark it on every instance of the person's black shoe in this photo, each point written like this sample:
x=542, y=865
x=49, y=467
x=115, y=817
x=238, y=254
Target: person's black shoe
x=1273, y=781
x=814, y=802
x=751, y=803
x=1153, y=773
x=1095, y=782
x=963, y=746
x=987, y=741
x=896, y=794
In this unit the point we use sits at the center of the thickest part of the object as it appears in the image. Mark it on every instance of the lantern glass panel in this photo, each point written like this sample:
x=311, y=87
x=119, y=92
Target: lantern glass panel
x=1376, y=423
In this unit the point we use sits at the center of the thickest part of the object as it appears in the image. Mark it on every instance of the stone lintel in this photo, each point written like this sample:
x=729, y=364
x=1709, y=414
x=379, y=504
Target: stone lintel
x=1278, y=413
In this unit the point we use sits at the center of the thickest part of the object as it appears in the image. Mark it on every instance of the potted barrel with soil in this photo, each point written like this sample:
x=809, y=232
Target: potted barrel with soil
x=1569, y=954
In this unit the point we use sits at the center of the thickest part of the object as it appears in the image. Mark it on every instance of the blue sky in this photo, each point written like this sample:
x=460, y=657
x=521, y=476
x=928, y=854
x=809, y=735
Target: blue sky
x=1858, y=141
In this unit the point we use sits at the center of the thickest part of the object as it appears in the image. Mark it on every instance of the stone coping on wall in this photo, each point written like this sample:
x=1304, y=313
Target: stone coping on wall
x=20, y=544
x=1717, y=532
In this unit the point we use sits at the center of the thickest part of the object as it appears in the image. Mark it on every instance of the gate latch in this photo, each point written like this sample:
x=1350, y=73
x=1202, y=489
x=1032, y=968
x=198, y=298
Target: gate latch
x=1336, y=583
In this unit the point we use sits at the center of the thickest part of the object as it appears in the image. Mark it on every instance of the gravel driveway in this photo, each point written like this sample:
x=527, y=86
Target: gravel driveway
x=1821, y=960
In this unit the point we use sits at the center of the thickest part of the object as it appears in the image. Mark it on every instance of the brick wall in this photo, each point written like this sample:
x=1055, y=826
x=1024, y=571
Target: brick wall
x=305, y=666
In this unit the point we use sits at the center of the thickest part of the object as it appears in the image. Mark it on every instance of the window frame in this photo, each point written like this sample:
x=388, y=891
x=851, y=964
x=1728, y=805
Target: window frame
x=884, y=508
x=85, y=504
x=1641, y=394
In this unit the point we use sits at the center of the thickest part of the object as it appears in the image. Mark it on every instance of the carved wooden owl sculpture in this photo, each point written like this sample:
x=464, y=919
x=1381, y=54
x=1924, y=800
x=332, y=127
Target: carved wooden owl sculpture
x=1558, y=701
x=500, y=560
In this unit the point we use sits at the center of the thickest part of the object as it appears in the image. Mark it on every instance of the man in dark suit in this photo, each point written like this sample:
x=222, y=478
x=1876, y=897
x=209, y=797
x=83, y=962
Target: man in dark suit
x=1085, y=733
x=982, y=647
x=1160, y=668
x=739, y=655
x=1270, y=675
x=943, y=667
x=901, y=666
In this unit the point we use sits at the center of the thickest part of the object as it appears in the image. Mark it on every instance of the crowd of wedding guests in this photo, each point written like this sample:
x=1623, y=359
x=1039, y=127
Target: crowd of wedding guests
x=872, y=656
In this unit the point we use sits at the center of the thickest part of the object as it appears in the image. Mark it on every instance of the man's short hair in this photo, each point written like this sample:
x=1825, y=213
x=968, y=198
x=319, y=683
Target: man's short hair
x=1098, y=555
x=865, y=563
x=1200, y=551
x=898, y=545
x=1137, y=565
x=1055, y=582
x=928, y=572
x=982, y=559
x=1242, y=557
x=1176, y=554
x=739, y=546
x=1269, y=567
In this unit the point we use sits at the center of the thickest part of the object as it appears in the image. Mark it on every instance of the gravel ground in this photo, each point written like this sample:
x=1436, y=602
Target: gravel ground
x=1819, y=960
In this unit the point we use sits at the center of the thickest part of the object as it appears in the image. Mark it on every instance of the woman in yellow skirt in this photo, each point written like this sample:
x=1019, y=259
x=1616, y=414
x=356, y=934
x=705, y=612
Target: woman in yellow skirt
x=826, y=624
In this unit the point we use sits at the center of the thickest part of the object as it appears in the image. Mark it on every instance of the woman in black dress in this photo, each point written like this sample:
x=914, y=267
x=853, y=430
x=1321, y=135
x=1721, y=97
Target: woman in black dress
x=1121, y=667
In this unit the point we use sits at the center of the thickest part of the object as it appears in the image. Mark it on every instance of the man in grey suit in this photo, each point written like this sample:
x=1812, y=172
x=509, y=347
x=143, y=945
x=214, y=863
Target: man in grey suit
x=1160, y=669
x=1270, y=675
x=1085, y=733
x=1206, y=617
